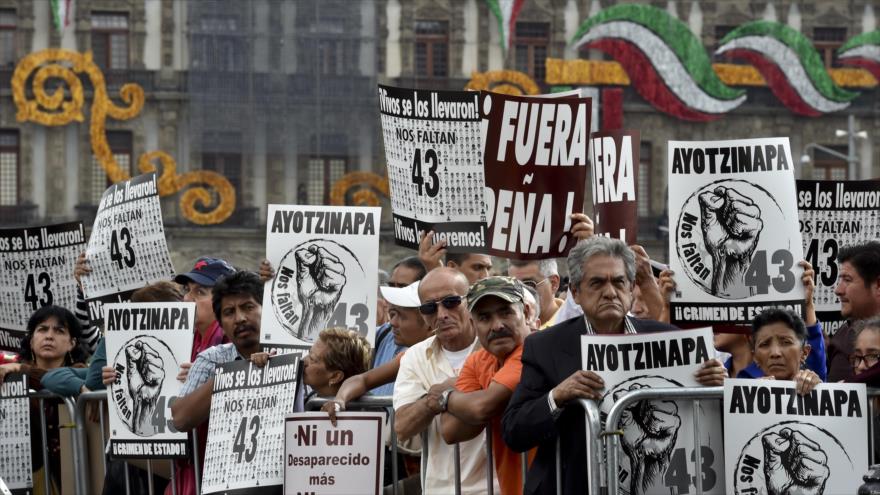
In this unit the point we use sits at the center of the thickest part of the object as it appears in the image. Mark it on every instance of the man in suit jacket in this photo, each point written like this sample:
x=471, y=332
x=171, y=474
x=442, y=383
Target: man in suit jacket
x=602, y=273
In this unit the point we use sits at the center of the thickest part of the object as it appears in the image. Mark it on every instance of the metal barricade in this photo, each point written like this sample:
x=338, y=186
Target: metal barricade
x=42, y=396
x=594, y=447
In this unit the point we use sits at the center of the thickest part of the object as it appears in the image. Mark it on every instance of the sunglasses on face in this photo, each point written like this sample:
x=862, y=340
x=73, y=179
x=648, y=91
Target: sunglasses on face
x=534, y=284
x=448, y=302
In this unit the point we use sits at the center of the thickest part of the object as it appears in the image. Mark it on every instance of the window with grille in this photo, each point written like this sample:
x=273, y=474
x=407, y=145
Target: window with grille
x=8, y=24
x=323, y=173
x=644, y=192
x=829, y=167
x=9, y=162
x=827, y=40
x=530, y=48
x=121, y=146
x=110, y=40
x=218, y=44
x=432, y=48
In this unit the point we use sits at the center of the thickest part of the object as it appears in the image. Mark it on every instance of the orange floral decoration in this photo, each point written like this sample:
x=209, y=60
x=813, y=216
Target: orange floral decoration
x=53, y=110
x=509, y=82
x=364, y=188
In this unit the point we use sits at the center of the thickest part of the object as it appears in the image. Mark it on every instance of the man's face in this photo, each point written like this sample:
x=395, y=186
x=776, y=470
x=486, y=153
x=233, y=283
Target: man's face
x=500, y=325
x=475, y=267
x=407, y=325
x=856, y=299
x=402, y=276
x=240, y=318
x=605, y=293
x=531, y=275
x=447, y=323
x=200, y=295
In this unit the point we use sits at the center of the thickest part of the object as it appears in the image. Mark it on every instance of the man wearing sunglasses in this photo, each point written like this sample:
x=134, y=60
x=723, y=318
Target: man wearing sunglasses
x=428, y=371
x=543, y=276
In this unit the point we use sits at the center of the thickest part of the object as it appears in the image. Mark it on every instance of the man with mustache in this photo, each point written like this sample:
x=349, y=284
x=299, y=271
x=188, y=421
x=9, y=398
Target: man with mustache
x=428, y=371
x=490, y=375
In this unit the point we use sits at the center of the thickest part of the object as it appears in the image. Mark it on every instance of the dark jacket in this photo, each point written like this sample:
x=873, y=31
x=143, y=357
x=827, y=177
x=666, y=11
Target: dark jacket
x=549, y=357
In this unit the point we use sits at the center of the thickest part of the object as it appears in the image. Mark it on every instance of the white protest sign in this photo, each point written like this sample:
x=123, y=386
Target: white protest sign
x=146, y=342
x=435, y=166
x=658, y=438
x=778, y=442
x=323, y=459
x=326, y=261
x=733, y=230
x=15, y=434
x=245, y=451
x=127, y=248
x=37, y=270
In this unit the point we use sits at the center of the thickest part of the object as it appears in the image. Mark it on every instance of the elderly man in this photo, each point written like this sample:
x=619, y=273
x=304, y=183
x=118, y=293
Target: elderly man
x=602, y=272
x=490, y=375
x=543, y=276
x=427, y=371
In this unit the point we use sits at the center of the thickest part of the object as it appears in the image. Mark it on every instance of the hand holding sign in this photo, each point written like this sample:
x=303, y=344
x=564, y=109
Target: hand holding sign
x=145, y=376
x=794, y=464
x=731, y=224
x=320, y=278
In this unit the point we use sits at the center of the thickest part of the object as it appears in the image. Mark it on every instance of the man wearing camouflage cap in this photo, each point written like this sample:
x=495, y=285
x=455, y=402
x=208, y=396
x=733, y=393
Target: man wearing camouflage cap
x=490, y=374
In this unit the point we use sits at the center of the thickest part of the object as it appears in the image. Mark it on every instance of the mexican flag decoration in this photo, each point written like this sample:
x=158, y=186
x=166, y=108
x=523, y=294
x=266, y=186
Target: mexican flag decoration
x=862, y=51
x=61, y=13
x=790, y=64
x=506, y=12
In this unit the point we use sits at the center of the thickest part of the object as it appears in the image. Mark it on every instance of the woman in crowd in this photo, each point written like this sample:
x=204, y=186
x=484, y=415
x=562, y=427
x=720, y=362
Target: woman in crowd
x=779, y=344
x=52, y=341
x=336, y=355
x=865, y=362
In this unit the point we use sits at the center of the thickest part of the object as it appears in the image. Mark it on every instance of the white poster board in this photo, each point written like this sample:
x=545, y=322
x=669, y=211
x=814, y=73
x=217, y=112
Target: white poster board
x=146, y=342
x=779, y=442
x=734, y=241
x=658, y=440
x=326, y=261
x=323, y=459
x=15, y=434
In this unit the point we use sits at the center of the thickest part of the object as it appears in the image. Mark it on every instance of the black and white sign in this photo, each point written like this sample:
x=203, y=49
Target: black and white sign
x=778, y=442
x=326, y=261
x=435, y=166
x=146, y=342
x=37, y=270
x=835, y=214
x=127, y=248
x=323, y=459
x=658, y=436
x=734, y=239
x=15, y=435
x=245, y=452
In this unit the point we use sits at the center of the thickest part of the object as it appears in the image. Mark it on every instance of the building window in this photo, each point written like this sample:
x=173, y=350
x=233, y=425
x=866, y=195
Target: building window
x=121, y=146
x=720, y=32
x=644, y=192
x=827, y=40
x=829, y=167
x=323, y=173
x=110, y=40
x=8, y=22
x=432, y=49
x=530, y=48
x=9, y=173
x=218, y=44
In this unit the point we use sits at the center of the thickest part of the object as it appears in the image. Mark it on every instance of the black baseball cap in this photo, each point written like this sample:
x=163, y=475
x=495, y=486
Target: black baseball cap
x=206, y=271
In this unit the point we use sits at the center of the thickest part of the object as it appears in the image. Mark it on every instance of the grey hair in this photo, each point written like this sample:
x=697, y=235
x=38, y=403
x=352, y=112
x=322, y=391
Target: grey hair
x=599, y=246
x=872, y=323
x=546, y=267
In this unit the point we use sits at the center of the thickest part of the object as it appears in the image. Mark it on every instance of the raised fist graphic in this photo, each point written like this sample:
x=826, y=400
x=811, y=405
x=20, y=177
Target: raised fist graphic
x=794, y=464
x=650, y=429
x=145, y=373
x=731, y=224
x=320, y=278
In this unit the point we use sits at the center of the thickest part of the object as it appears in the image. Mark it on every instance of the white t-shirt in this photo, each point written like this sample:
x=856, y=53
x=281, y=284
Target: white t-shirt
x=457, y=358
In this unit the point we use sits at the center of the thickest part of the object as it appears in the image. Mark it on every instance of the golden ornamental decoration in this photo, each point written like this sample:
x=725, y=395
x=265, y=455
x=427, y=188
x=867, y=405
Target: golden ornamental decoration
x=53, y=110
x=364, y=188
x=509, y=82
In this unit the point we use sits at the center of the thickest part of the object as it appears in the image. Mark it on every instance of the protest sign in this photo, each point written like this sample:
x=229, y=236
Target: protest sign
x=833, y=215
x=15, y=435
x=777, y=441
x=37, y=271
x=326, y=261
x=658, y=440
x=435, y=166
x=245, y=452
x=615, y=179
x=146, y=343
x=127, y=249
x=536, y=165
x=734, y=240
x=323, y=459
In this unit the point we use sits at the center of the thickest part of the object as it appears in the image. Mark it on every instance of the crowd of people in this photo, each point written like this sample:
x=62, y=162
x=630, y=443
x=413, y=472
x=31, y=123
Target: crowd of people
x=460, y=346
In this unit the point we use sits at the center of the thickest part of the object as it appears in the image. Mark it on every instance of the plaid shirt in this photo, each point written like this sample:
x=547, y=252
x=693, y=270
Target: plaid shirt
x=628, y=328
x=203, y=369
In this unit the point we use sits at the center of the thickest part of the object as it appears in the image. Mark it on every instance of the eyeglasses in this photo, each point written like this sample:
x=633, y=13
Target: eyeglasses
x=532, y=283
x=869, y=359
x=448, y=302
